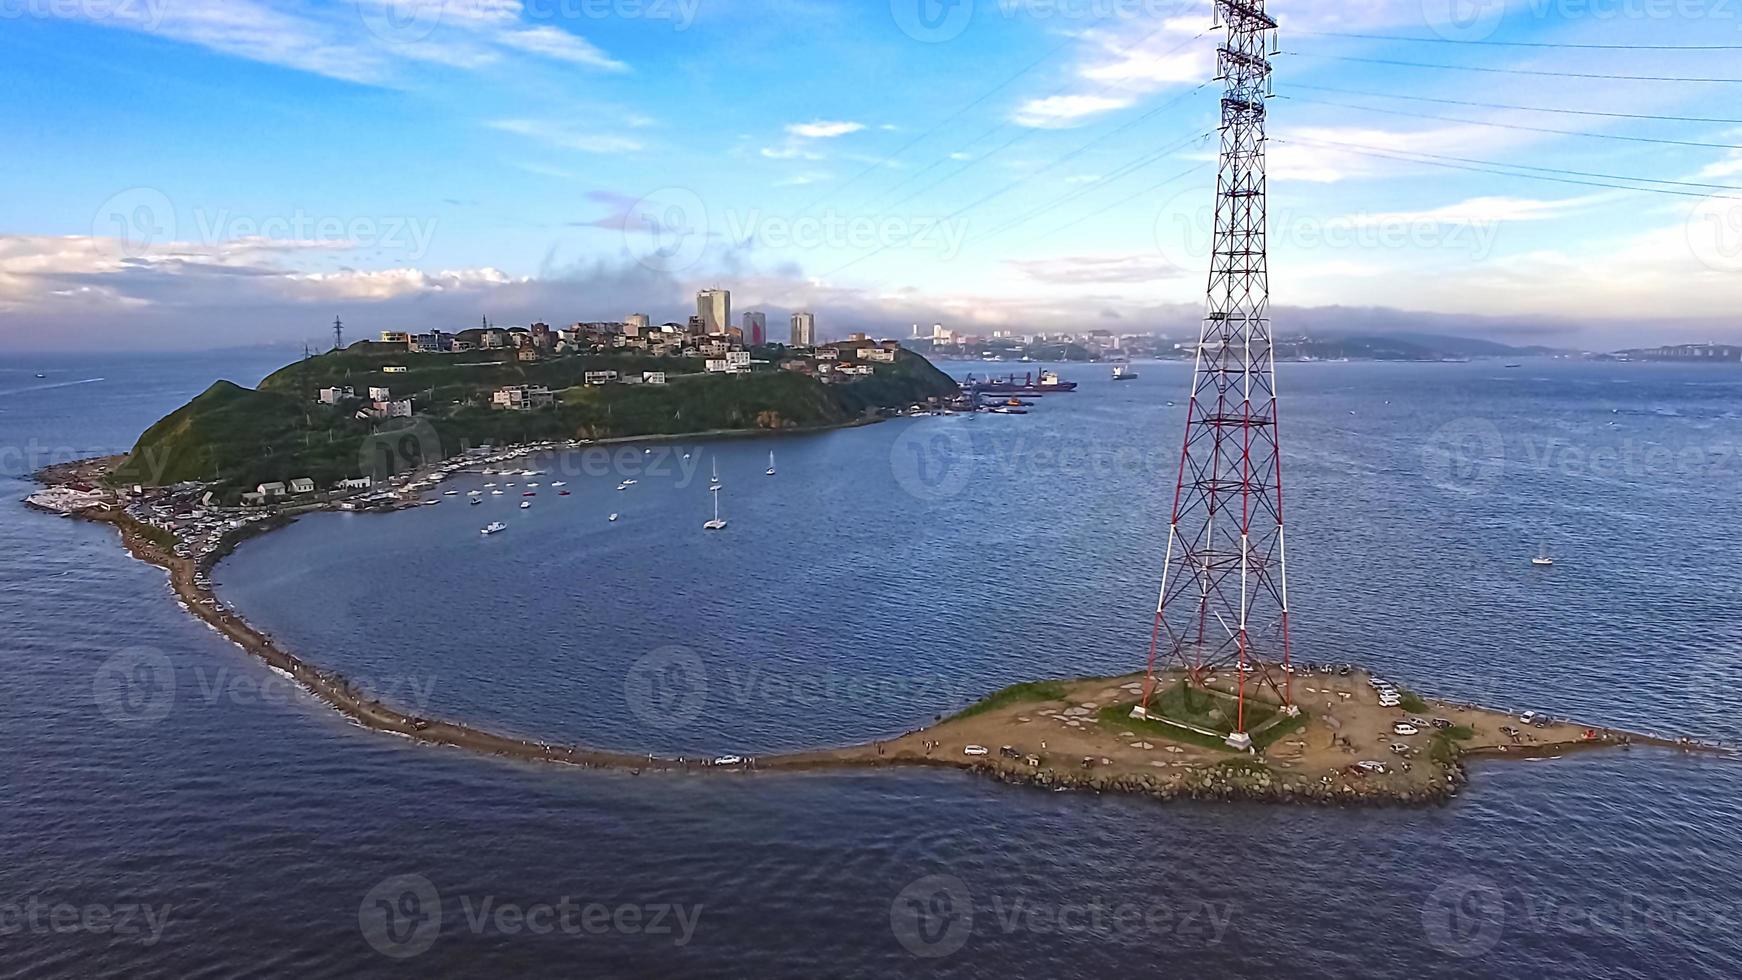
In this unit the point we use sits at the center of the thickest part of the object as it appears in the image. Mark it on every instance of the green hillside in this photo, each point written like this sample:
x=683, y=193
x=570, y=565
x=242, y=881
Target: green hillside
x=237, y=437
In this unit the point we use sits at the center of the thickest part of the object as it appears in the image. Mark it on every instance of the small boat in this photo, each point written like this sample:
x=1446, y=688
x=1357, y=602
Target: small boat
x=451, y=493
x=612, y=518
x=622, y=486
x=770, y=470
x=477, y=500
x=562, y=493
x=716, y=524
x=630, y=483
x=525, y=504
x=1543, y=559
x=494, y=527
x=40, y=375
x=560, y=483
x=495, y=493
x=530, y=493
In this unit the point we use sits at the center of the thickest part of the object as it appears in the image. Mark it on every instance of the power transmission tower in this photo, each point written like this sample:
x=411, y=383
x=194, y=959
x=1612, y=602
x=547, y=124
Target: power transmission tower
x=338, y=334
x=1224, y=587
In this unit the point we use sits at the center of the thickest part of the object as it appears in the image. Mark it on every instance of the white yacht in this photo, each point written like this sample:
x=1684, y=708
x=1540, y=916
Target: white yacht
x=494, y=527
x=717, y=524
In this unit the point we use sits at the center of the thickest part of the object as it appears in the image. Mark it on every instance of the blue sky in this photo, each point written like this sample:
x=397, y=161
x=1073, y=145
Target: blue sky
x=186, y=172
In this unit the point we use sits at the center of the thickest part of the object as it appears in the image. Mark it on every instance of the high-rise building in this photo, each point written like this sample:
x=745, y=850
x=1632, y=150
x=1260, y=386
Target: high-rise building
x=636, y=324
x=714, y=306
x=804, y=330
x=756, y=329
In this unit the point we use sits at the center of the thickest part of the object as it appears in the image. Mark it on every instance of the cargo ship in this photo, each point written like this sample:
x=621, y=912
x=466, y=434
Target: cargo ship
x=1047, y=383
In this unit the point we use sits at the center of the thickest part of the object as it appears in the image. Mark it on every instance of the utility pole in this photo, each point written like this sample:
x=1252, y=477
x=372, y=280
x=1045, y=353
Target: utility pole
x=1224, y=585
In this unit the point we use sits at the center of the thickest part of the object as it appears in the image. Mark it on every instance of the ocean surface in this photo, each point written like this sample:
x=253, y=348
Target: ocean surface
x=175, y=809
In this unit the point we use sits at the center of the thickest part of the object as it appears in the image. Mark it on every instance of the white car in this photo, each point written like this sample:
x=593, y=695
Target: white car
x=729, y=760
x=1370, y=766
x=974, y=750
x=1404, y=728
x=1390, y=702
x=1530, y=717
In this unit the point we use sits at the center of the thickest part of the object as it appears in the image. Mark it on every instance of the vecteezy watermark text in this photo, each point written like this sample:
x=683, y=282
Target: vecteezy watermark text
x=403, y=917
x=36, y=916
x=1468, y=915
x=938, y=915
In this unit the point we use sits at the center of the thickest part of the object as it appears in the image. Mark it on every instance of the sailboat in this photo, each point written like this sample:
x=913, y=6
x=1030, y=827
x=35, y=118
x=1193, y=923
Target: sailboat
x=716, y=524
x=1542, y=559
x=771, y=462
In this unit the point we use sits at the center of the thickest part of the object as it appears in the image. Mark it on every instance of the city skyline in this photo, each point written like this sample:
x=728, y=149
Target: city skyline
x=416, y=163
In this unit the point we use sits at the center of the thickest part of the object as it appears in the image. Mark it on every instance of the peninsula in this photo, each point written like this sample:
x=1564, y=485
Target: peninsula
x=351, y=418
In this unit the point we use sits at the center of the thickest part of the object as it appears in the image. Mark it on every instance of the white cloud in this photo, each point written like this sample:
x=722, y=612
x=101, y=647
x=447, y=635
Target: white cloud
x=559, y=44
x=1065, y=110
x=1115, y=268
x=566, y=137
x=823, y=129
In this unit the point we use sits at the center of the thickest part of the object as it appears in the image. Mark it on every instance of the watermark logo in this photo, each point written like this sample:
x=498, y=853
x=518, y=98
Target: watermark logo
x=1463, y=20
x=135, y=687
x=406, y=21
x=399, y=448
x=137, y=220
x=402, y=916
x=833, y=230
x=1714, y=232
x=1185, y=228
x=1466, y=455
x=144, y=15
x=667, y=230
x=667, y=688
x=933, y=917
x=1464, y=917
x=932, y=461
x=932, y=21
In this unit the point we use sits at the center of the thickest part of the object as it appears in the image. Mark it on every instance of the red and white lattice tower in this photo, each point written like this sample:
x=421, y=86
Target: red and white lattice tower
x=1224, y=592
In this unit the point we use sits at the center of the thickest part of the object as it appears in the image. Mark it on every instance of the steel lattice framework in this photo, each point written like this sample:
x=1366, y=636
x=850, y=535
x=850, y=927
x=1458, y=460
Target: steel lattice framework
x=1224, y=588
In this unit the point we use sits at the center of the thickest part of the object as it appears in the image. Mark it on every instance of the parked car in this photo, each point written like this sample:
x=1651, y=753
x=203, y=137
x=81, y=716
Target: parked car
x=1404, y=728
x=974, y=750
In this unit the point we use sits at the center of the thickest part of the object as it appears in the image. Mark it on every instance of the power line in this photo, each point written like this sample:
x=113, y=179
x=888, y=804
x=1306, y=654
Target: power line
x=1516, y=71
x=941, y=124
x=1531, y=129
x=1491, y=168
x=1118, y=173
x=1525, y=166
x=1129, y=197
x=1522, y=108
x=1025, y=177
x=1021, y=134
x=1526, y=44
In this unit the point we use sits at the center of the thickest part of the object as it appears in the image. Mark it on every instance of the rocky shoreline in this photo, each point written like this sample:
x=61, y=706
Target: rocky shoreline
x=1232, y=787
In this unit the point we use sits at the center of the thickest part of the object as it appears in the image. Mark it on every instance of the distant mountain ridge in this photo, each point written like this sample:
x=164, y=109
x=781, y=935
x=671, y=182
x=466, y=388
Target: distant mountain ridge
x=1401, y=347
